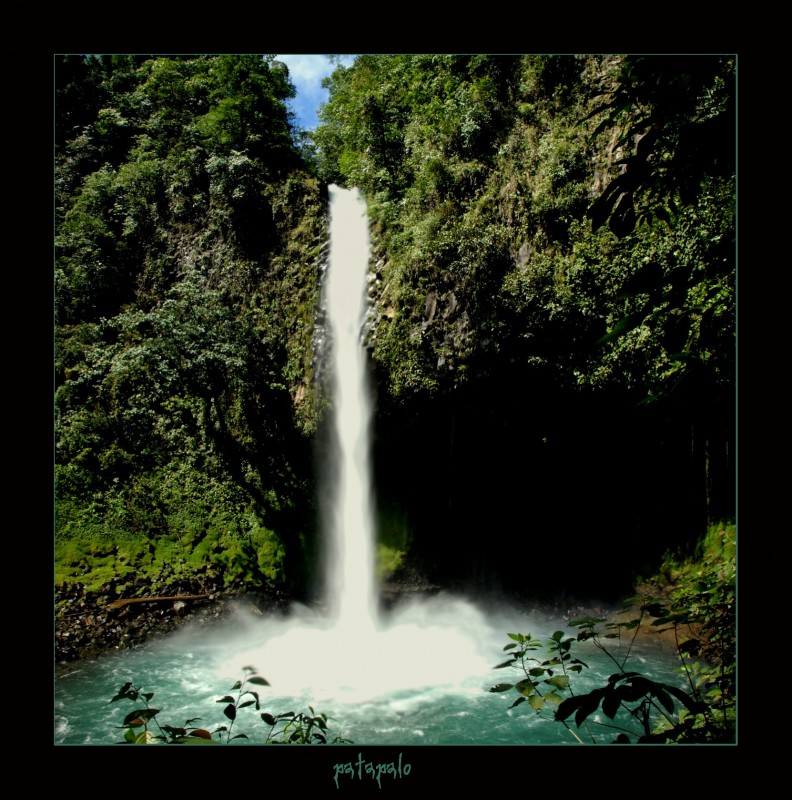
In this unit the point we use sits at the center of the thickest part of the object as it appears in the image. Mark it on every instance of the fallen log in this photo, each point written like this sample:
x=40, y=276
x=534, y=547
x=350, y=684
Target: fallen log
x=122, y=603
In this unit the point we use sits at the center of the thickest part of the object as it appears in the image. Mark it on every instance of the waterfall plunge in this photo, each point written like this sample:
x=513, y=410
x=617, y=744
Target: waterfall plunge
x=350, y=580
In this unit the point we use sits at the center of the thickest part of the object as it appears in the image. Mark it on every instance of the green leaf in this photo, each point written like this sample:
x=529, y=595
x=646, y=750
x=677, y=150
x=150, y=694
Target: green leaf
x=525, y=687
x=501, y=687
x=536, y=702
x=587, y=621
x=554, y=697
x=536, y=671
x=559, y=681
x=557, y=636
x=518, y=637
x=510, y=646
x=230, y=711
x=258, y=681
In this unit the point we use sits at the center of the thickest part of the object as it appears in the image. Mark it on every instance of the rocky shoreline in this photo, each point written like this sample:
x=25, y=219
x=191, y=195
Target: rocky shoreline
x=91, y=623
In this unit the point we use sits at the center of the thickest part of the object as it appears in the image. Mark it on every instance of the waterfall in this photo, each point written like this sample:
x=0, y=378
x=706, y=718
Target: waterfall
x=350, y=580
x=347, y=652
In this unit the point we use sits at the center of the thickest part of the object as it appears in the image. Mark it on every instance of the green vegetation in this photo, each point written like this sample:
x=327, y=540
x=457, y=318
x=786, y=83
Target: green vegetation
x=286, y=728
x=553, y=331
x=187, y=245
x=699, y=610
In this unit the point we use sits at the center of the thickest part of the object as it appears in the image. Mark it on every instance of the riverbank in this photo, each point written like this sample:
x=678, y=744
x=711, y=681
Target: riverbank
x=91, y=623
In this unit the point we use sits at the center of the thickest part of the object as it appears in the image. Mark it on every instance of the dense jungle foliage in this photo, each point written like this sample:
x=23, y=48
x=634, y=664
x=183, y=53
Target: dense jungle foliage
x=553, y=335
x=188, y=239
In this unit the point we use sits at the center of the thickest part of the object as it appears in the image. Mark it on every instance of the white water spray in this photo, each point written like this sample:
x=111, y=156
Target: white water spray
x=351, y=572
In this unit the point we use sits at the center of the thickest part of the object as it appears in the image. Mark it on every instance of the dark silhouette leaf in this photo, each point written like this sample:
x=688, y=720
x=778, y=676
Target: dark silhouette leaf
x=226, y=699
x=518, y=701
x=230, y=711
x=140, y=716
x=590, y=705
x=664, y=699
x=635, y=689
x=269, y=719
x=501, y=687
x=684, y=698
x=505, y=663
x=569, y=706
x=610, y=705
x=258, y=681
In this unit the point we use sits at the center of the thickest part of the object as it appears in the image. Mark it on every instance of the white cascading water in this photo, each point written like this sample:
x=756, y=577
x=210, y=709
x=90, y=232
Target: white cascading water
x=350, y=654
x=351, y=591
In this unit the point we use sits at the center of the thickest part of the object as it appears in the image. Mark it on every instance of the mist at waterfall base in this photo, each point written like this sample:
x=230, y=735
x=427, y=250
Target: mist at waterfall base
x=415, y=674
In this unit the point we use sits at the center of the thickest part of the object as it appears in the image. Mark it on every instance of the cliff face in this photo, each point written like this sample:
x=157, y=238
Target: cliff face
x=553, y=295
x=552, y=330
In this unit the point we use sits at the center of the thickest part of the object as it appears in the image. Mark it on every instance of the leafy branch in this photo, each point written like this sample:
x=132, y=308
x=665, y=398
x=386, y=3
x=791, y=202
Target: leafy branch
x=297, y=728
